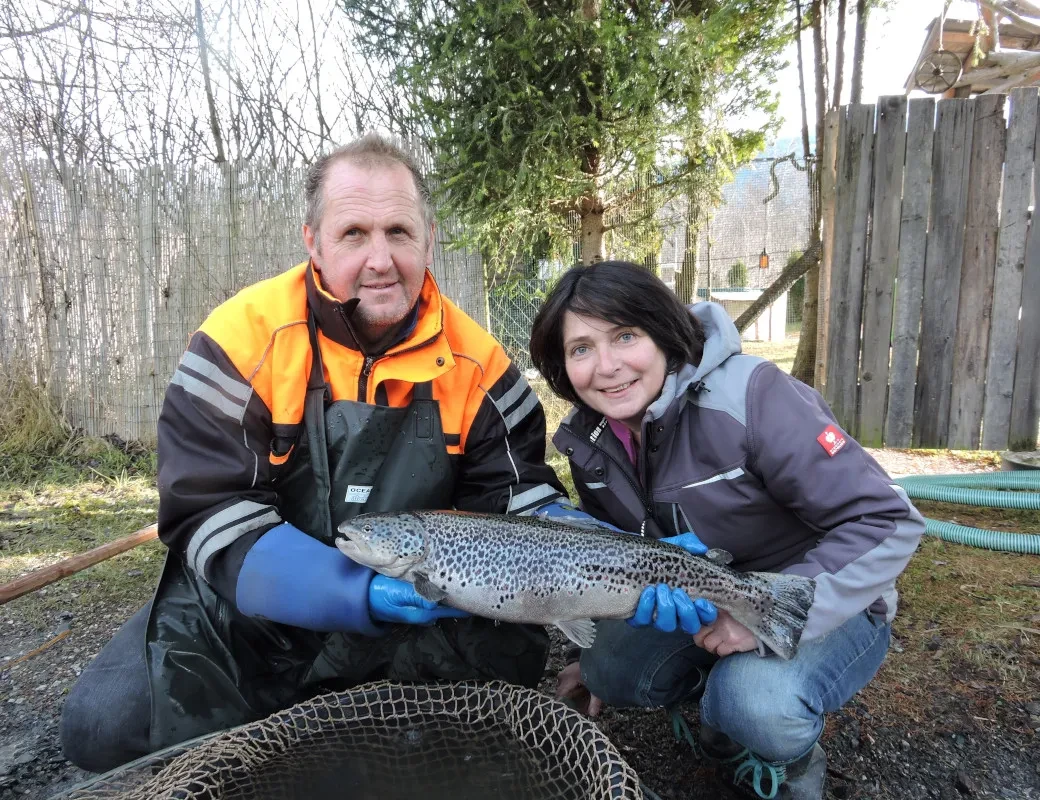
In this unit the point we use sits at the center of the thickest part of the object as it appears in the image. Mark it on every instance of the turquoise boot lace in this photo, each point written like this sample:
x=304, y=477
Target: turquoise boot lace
x=753, y=769
x=749, y=772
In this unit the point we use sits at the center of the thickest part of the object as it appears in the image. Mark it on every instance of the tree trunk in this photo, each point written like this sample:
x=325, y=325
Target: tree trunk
x=804, y=367
x=686, y=280
x=592, y=240
x=782, y=283
x=801, y=87
x=819, y=35
x=862, y=10
x=214, y=121
x=839, y=52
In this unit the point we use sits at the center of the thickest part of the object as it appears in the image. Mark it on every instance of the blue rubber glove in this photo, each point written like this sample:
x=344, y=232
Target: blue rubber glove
x=668, y=609
x=292, y=578
x=565, y=512
x=688, y=542
x=391, y=600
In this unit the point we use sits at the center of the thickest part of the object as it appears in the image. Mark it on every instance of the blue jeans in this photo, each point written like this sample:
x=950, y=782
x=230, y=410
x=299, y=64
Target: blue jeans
x=772, y=707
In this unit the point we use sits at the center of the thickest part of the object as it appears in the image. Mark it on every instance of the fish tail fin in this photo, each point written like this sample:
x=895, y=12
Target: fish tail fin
x=781, y=626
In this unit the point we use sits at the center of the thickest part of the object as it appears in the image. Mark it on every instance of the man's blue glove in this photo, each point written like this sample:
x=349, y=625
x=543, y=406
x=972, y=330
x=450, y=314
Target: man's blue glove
x=565, y=512
x=292, y=578
x=668, y=609
x=391, y=600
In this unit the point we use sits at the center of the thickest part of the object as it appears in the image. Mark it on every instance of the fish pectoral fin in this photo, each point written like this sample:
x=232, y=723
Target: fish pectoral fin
x=580, y=631
x=425, y=587
x=719, y=556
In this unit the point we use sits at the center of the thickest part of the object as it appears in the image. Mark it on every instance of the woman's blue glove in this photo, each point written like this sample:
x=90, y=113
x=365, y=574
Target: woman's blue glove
x=668, y=609
x=391, y=600
x=565, y=512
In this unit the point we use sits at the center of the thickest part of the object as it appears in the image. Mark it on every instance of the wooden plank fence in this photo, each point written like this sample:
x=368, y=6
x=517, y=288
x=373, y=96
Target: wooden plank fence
x=933, y=330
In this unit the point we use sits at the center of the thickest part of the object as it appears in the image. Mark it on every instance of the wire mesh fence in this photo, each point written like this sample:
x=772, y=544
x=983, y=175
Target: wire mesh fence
x=105, y=275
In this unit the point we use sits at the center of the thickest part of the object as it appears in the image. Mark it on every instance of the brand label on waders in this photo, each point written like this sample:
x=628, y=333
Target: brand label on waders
x=358, y=494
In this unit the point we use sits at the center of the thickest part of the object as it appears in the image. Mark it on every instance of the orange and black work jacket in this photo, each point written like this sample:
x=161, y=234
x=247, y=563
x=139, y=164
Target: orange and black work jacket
x=234, y=409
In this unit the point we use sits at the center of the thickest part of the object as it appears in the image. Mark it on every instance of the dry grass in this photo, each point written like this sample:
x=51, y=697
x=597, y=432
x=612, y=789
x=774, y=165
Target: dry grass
x=780, y=353
x=969, y=622
x=30, y=421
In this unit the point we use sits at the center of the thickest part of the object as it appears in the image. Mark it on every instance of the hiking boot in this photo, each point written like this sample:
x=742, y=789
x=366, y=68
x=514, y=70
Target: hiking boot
x=806, y=776
x=802, y=779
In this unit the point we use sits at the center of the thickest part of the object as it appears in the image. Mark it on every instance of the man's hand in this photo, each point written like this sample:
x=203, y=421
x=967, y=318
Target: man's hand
x=726, y=636
x=570, y=687
x=669, y=609
x=391, y=600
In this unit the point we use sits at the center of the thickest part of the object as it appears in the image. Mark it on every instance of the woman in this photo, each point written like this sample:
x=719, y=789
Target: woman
x=674, y=431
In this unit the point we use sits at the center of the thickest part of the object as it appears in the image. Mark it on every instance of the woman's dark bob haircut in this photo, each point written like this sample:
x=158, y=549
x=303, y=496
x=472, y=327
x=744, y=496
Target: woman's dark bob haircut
x=622, y=293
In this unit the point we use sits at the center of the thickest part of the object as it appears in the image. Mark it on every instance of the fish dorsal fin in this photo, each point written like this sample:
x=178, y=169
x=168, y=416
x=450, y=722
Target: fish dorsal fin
x=580, y=631
x=425, y=587
x=719, y=556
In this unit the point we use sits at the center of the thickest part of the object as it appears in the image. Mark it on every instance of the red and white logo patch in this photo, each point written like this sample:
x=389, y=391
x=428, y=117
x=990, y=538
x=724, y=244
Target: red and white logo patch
x=831, y=440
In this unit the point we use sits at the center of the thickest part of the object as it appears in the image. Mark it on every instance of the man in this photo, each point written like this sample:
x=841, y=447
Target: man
x=348, y=384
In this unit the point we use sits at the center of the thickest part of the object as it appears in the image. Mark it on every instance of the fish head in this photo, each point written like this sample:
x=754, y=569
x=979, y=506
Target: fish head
x=391, y=544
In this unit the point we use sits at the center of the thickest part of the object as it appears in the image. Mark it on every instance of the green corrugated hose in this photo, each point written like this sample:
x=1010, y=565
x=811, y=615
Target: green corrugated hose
x=991, y=489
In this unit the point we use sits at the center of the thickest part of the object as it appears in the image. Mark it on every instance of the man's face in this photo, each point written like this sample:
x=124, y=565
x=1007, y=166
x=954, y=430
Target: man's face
x=371, y=243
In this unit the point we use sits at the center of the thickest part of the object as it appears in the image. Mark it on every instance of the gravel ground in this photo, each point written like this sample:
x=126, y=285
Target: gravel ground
x=974, y=744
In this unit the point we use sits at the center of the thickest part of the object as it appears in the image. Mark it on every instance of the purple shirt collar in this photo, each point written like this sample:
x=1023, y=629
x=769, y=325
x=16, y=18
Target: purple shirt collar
x=624, y=435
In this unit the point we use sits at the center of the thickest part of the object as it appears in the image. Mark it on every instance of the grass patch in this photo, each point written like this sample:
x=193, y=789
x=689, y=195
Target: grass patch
x=780, y=353
x=968, y=618
x=48, y=521
x=62, y=493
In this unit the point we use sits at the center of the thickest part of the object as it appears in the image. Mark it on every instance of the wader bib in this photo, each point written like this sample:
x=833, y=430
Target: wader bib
x=212, y=668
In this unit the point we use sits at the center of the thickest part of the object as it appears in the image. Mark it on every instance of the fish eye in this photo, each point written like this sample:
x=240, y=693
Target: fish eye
x=367, y=529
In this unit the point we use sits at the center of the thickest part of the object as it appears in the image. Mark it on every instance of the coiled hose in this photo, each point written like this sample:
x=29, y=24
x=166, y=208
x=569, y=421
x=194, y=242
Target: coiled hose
x=991, y=489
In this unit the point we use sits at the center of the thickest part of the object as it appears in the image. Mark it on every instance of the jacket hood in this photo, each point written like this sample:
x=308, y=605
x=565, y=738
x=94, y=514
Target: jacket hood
x=722, y=340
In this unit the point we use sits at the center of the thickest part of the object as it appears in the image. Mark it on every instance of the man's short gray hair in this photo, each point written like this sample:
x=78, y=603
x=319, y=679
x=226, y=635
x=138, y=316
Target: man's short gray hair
x=371, y=150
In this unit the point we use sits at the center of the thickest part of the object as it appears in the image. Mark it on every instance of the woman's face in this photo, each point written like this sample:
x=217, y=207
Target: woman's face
x=616, y=370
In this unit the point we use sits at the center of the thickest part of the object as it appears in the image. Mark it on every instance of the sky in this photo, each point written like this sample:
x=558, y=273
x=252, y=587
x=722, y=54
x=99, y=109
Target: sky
x=894, y=39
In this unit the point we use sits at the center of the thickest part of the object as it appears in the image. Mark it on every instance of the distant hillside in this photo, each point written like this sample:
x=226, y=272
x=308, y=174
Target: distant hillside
x=787, y=144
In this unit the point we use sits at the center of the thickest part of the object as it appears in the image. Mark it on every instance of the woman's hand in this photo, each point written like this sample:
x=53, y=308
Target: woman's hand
x=569, y=686
x=725, y=636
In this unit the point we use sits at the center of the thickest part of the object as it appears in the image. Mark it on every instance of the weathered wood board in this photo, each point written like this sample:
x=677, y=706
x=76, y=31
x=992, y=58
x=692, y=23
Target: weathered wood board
x=975, y=304
x=879, y=279
x=951, y=155
x=909, y=290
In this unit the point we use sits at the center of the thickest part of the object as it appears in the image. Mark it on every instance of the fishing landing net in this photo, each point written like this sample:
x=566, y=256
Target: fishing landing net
x=388, y=741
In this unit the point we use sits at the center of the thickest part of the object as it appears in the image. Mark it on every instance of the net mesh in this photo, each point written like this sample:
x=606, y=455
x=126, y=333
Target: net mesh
x=388, y=741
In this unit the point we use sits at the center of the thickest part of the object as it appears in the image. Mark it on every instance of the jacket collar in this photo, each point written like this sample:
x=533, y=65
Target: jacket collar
x=330, y=314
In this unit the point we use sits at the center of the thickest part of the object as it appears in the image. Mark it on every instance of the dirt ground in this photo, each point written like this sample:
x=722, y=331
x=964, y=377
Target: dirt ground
x=948, y=716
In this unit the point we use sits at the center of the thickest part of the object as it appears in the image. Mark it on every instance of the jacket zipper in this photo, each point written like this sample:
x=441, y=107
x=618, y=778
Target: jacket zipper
x=366, y=368
x=635, y=486
x=362, y=386
x=648, y=479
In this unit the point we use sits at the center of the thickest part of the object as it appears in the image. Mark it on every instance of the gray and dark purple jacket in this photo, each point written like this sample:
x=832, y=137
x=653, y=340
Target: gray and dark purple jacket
x=754, y=462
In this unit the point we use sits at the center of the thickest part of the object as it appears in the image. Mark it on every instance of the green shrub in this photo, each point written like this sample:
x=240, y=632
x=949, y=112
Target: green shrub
x=737, y=275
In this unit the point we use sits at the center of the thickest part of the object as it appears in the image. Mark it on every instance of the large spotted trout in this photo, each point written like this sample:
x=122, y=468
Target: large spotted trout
x=525, y=569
